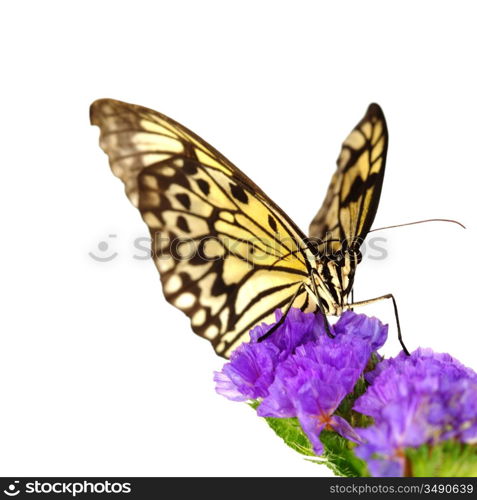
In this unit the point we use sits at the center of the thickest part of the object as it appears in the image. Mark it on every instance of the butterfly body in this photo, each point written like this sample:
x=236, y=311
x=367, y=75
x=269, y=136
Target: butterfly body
x=336, y=278
x=227, y=255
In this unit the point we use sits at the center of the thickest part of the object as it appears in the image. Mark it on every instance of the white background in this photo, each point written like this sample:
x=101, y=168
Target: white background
x=98, y=374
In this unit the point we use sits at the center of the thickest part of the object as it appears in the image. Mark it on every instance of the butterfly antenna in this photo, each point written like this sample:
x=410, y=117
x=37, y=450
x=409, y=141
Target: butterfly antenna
x=419, y=222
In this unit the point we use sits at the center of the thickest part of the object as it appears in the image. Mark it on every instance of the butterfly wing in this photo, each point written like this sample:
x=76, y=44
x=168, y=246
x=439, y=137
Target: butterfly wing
x=228, y=256
x=352, y=198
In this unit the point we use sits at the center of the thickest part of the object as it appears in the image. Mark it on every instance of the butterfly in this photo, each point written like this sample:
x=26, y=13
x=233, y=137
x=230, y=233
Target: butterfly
x=228, y=256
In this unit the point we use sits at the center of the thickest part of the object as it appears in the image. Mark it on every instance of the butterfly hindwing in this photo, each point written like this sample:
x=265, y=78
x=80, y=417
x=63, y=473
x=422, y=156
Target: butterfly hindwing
x=352, y=198
x=227, y=255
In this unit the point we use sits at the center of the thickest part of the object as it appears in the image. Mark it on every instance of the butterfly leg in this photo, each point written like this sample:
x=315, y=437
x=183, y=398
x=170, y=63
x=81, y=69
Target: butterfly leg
x=280, y=322
x=384, y=297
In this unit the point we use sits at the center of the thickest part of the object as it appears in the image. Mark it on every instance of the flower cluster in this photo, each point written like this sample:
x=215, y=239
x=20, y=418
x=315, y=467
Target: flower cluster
x=335, y=384
x=425, y=398
x=300, y=371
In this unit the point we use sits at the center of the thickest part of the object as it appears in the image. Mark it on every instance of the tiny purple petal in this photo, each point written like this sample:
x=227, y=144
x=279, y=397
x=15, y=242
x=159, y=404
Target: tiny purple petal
x=312, y=427
x=393, y=467
x=251, y=370
x=280, y=400
x=359, y=325
x=343, y=427
x=225, y=387
x=382, y=458
x=297, y=329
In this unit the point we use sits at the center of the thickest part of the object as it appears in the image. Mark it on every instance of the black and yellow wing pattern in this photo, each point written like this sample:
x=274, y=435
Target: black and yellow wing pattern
x=228, y=257
x=353, y=195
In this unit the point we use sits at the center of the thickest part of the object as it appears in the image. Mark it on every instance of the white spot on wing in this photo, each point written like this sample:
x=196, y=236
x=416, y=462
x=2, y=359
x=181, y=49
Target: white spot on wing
x=185, y=300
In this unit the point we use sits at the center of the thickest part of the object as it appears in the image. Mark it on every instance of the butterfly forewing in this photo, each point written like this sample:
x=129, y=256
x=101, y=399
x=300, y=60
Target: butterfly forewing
x=227, y=255
x=353, y=195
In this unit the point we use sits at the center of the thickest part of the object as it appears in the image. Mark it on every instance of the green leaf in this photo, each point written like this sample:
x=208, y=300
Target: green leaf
x=338, y=454
x=340, y=457
x=447, y=459
x=290, y=431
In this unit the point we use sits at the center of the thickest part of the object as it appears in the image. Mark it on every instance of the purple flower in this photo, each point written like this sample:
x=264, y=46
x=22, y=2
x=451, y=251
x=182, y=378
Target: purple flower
x=249, y=373
x=313, y=382
x=382, y=460
x=252, y=365
x=369, y=329
x=299, y=371
x=423, y=398
x=401, y=426
x=297, y=329
x=316, y=404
